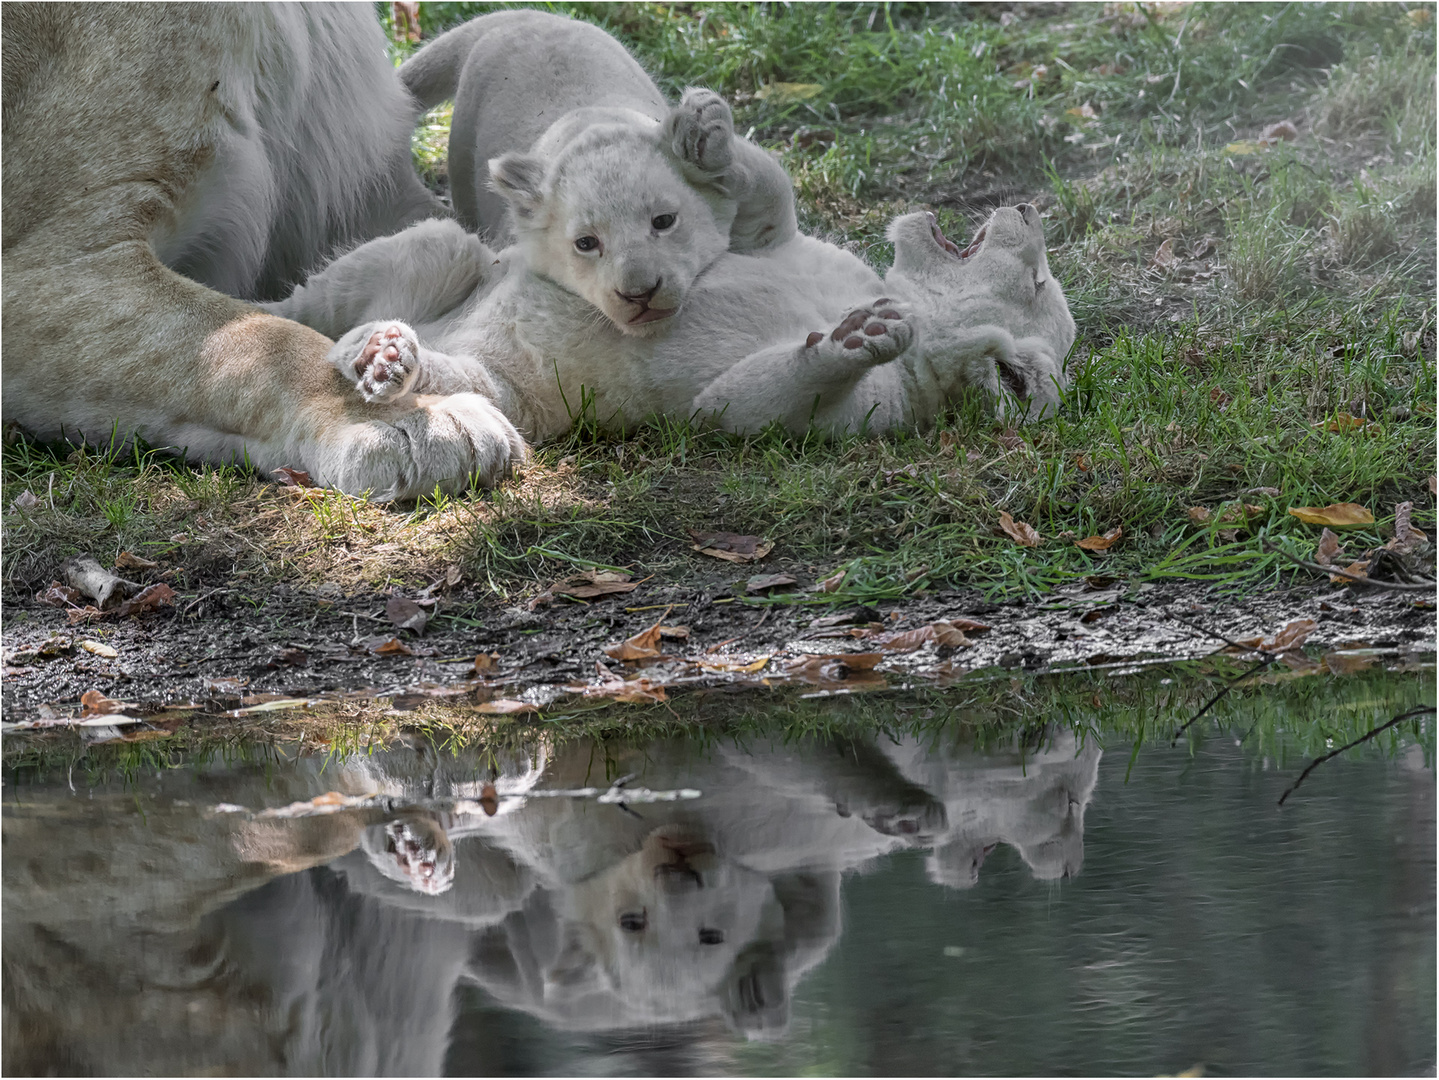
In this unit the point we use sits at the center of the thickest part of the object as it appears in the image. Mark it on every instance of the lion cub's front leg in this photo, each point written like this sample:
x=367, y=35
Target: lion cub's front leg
x=701, y=131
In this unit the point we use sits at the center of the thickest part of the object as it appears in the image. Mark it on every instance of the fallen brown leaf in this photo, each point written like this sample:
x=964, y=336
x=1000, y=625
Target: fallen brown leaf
x=393, y=647
x=1342, y=422
x=833, y=582
x=1434, y=485
x=1337, y=515
x=634, y=691
x=486, y=662
x=1021, y=533
x=743, y=667
x=732, y=547
x=942, y=632
x=675, y=633
x=26, y=500
x=127, y=561
x=643, y=646
x=1101, y=543
x=1199, y=515
x=1406, y=536
x=1164, y=259
x=1328, y=549
x=405, y=614
x=99, y=648
x=288, y=477
x=766, y=582
x=594, y=583
x=1009, y=439
x=58, y=595
x=1358, y=569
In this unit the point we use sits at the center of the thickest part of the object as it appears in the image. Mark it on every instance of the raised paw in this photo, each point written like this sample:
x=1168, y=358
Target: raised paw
x=701, y=130
x=387, y=363
x=875, y=334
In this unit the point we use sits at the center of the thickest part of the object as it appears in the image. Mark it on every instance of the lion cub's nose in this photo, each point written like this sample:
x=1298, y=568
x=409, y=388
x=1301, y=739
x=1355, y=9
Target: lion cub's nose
x=644, y=296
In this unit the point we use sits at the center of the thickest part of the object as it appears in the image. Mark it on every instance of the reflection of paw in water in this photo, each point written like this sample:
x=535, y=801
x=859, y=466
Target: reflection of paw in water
x=387, y=363
x=421, y=852
x=917, y=822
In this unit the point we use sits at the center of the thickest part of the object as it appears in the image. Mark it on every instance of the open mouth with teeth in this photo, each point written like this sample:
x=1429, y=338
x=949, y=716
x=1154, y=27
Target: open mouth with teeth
x=950, y=246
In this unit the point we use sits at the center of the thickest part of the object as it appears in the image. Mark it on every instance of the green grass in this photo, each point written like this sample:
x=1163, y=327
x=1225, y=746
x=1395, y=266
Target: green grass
x=1192, y=387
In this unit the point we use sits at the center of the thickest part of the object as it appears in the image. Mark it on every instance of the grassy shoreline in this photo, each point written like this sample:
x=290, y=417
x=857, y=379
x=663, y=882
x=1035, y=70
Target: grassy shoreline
x=1235, y=302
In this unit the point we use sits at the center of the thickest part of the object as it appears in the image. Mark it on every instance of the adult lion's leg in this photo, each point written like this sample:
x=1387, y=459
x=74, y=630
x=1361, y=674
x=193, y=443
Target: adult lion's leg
x=122, y=345
x=112, y=116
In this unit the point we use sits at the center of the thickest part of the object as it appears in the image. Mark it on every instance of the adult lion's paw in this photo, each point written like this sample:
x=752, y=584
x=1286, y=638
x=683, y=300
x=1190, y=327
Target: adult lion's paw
x=701, y=130
x=387, y=363
x=452, y=442
x=875, y=334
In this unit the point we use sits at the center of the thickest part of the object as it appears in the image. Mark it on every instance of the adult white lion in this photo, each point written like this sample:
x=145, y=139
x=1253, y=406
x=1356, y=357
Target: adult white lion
x=160, y=157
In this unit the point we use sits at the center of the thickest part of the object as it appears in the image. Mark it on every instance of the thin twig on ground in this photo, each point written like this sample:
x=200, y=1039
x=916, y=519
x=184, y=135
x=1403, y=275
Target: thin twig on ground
x=1355, y=579
x=1420, y=711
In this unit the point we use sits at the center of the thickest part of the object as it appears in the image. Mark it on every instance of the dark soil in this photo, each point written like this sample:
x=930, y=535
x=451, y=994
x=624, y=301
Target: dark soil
x=228, y=647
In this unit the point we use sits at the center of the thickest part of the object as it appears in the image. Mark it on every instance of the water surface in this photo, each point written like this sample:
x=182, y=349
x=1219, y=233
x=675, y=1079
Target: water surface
x=860, y=905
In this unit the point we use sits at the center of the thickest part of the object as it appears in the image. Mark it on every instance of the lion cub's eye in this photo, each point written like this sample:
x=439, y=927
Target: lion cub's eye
x=587, y=243
x=634, y=921
x=711, y=937
x=661, y=222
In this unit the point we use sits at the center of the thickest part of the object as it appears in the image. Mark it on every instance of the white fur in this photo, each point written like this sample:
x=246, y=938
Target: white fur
x=237, y=144
x=738, y=354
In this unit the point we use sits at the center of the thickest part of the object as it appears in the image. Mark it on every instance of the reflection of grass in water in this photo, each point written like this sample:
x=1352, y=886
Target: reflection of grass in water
x=1285, y=715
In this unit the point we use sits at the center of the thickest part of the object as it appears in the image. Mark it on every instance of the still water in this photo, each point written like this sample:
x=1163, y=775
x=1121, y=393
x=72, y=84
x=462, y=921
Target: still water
x=906, y=905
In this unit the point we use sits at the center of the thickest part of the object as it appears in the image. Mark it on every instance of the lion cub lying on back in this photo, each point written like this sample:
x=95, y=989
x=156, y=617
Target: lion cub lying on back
x=797, y=330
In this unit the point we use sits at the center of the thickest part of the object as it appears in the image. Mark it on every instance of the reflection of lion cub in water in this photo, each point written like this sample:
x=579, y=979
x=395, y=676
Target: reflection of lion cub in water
x=160, y=156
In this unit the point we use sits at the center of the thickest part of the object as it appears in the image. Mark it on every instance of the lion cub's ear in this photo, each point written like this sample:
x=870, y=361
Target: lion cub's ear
x=517, y=178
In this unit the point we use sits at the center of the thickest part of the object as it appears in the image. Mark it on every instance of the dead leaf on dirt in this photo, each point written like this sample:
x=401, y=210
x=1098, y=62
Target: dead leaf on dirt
x=486, y=663
x=1294, y=634
x=147, y=599
x=731, y=547
x=947, y=440
x=26, y=500
x=833, y=582
x=942, y=632
x=1336, y=515
x=129, y=561
x=58, y=595
x=738, y=667
x=405, y=614
x=1219, y=399
x=1021, y=533
x=99, y=648
x=289, y=658
x=1406, y=536
x=288, y=477
x=1164, y=258
x=767, y=582
x=1082, y=112
x=1341, y=423
x=852, y=669
x=1434, y=485
x=1101, y=543
x=675, y=633
x=393, y=647
x=94, y=703
x=593, y=583
x=1282, y=131
x=506, y=707
x=1328, y=549
x=1357, y=569
x=1009, y=439
x=643, y=646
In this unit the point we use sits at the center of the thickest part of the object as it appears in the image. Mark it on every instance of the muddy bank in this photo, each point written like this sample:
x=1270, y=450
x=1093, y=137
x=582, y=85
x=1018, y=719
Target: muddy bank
x=234, y=646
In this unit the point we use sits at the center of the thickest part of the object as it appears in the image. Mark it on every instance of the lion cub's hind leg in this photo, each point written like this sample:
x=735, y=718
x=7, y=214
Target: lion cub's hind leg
x=383, y=358
x=867, y=336
x=701, y=131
